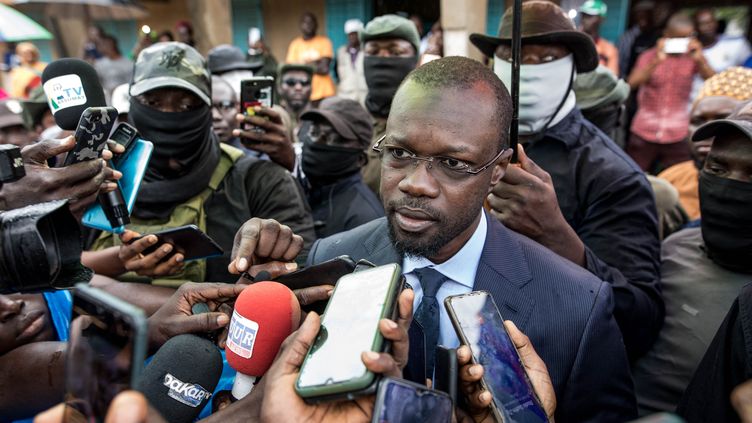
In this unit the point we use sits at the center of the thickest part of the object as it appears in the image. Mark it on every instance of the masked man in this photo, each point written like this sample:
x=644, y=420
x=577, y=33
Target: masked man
x=703, y=269
x=576, y=192
x=192, y=178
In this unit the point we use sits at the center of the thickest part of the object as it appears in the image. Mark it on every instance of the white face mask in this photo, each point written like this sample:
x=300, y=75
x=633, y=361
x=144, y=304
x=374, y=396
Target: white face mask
x=542, y=90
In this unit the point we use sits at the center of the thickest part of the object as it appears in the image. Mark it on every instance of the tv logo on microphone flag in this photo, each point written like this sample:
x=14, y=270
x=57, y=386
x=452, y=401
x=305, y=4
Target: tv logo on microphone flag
x=64, y=91
x=242, y=335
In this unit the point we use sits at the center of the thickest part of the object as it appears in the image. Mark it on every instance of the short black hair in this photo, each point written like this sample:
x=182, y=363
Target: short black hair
x=110, y=39
x=461, y=73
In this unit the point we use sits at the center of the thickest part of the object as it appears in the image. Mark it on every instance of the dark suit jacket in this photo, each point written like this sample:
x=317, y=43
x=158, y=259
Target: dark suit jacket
x=564, y=310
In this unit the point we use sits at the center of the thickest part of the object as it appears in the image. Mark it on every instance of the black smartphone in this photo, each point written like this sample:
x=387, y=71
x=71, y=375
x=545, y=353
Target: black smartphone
x=256, y=91
x=333, y=368
x=105, y=355
x=187, y=240
x=326, y=273
x=402, y=401
x=124, y=134
x=91, y=135
x=478, y=324
x=445, y=371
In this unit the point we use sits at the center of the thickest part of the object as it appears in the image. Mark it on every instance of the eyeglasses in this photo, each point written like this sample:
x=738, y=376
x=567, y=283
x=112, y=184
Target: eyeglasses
x=448, y=168
x=291, y=82
x=225, y=105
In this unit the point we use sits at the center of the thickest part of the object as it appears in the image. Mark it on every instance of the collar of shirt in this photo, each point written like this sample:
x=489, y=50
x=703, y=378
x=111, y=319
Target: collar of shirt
x=462, y=266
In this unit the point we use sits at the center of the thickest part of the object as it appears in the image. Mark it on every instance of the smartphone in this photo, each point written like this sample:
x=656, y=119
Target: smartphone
x=257, y=91
x=478, y=324
x=333, y=368
x=402, y=401
x=187, y=240
x=105, y=355
x=91, y=135
x=676, y=45
x=445, y=371
x=124, y=134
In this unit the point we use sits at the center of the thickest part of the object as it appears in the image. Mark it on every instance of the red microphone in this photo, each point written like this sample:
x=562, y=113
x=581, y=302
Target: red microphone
x=265, y=314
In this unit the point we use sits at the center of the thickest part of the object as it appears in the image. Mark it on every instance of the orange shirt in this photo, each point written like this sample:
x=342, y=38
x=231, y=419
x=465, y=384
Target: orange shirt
x=608, y=55
x=684, y=177
x=303, y=51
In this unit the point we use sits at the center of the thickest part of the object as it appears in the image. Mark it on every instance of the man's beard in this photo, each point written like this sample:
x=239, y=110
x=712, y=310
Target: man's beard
x=427, y=245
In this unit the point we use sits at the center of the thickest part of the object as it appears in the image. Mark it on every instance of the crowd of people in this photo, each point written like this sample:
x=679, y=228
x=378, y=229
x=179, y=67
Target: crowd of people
x=616, y=238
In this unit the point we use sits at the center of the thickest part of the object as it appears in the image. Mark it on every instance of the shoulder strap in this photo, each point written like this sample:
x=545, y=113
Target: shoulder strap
x=227, y=160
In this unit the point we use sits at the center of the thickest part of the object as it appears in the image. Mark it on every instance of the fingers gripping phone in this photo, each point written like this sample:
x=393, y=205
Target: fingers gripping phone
x=402, y=401
x=478, y=324
x=333, y=368
x=187, y=240
x=91, y=135
x=105, y=354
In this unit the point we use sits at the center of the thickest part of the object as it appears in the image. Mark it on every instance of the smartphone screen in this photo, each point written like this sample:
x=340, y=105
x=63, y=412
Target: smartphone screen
x=349, y=327
x=256, y=92
x=103, y=357
x=402, y=402
x=480, y=326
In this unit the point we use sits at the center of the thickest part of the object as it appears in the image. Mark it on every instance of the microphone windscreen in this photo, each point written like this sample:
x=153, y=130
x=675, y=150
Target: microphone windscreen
x=265, y=314
x=71, y=86
x=180, y=379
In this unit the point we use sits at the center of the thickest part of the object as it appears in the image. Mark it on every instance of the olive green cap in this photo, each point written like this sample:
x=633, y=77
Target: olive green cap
x=391, y=26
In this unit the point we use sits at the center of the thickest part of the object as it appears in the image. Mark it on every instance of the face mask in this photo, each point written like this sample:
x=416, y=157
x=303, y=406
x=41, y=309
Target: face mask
x=383, y=77
x=546, y=94
x=726, y=222
x=326, y=164
x=182, y=136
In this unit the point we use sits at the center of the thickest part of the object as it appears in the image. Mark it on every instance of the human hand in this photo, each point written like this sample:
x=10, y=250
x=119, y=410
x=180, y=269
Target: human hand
x=660, y=47
x=525, y=201
x=479, y=400
x=80, y=183
x=281, y=402
x=152, y=264
x=741, y=400
x=176, y=316
x=261, y=241
x=694, y=48
x=274, y=140
x=126, y=407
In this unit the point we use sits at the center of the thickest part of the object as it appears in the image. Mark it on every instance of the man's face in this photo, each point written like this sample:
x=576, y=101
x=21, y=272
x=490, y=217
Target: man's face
x=353, y=40
x=23, y=319
x=321, y=132
x=308, y=26
x=433, y=212
x=224, y=110
x=170, y=100
x=17, y=135
x=534, y=54
x=705, y=110
x=591, y=23
x=731, y=157
x=707, y=25
x=184, y=34
x=389, y=47
x=295, y=88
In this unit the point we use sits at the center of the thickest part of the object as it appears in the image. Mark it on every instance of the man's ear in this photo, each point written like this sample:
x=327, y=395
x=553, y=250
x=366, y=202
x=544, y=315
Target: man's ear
x=500, y=168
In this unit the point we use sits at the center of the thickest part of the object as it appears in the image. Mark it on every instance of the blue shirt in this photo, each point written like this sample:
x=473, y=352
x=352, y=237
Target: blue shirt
x=460, y=269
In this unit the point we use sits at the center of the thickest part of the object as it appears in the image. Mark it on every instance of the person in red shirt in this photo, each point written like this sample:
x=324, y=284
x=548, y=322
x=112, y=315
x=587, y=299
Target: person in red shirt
x=664, y=77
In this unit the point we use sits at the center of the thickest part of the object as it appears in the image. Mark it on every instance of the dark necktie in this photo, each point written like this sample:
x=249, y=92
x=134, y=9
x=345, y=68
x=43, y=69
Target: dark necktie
x=427, y=314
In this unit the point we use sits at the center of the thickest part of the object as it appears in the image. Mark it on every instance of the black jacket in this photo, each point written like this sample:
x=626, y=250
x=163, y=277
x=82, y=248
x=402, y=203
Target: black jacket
x=343, y=205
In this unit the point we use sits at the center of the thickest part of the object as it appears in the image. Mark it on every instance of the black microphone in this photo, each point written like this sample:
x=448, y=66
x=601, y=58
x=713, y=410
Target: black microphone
x=181, y=377
x=72, y=86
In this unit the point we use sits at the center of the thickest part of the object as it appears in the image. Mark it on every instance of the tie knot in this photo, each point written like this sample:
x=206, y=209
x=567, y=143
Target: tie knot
x=430, y=280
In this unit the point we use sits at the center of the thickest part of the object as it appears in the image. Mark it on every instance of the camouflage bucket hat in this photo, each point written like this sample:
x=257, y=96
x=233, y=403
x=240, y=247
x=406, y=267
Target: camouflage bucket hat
x=171, y=64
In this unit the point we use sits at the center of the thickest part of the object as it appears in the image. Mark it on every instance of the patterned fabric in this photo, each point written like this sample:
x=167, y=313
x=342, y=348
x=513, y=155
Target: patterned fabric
x=734, y=82
x=662, y=116
x=427, y=314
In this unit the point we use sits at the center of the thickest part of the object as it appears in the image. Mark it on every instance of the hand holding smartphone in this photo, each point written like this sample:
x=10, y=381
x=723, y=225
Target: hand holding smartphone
x=479, y=325
x=92, y=133
x=187, y=240
x=402, y=401
x=105, y=354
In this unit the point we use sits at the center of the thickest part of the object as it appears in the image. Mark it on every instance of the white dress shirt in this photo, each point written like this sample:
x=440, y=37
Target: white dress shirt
x=460, y=269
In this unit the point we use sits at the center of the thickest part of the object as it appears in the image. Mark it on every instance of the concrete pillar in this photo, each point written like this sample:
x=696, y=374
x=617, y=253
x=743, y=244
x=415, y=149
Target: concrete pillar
x=212, y=23
x=459, y=19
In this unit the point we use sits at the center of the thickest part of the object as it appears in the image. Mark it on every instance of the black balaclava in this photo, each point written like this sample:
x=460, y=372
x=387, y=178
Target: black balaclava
x=383, y=77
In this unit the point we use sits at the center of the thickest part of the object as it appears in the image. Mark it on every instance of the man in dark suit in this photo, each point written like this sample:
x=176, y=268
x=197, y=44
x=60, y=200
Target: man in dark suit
x=446, y=145
x=453, y=115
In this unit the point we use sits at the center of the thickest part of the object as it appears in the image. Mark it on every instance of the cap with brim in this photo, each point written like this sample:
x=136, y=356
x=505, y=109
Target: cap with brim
x=226, y=58
x=34, y=106
x=391, y=26
x=286, y=67
x=166, y=82
x=342, y=128
x=721, y=126
x=542, y=23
